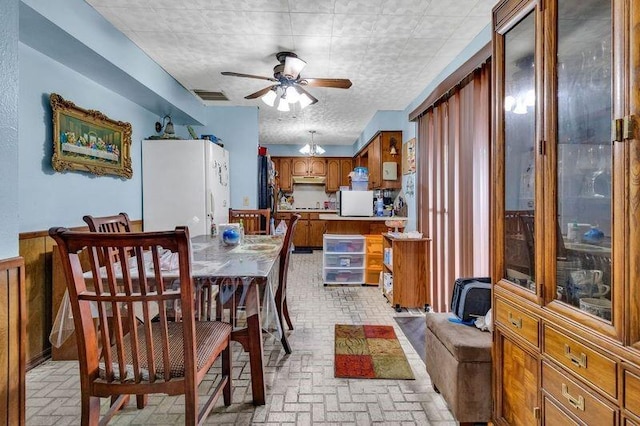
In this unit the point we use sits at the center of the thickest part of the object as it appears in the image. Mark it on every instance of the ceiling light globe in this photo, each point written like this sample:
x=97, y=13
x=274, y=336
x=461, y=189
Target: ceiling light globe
x=283, y=105
x=292, y=95
x=269, y=98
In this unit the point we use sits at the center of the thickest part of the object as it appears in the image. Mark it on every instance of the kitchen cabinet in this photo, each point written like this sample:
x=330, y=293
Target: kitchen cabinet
x=377, y=152
x=373, y=163
x=338, y=170
x=406, y=262
x=308, y=166
x=566, y=157
x=346, y=167
x=283, y=168
x=309, y=230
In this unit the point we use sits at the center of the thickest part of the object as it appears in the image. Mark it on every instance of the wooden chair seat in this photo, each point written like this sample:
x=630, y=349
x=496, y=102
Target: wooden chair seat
x=210, y=335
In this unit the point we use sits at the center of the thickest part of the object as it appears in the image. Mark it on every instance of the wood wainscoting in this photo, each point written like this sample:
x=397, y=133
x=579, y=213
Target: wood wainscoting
x=35, y=248
x=12, y=332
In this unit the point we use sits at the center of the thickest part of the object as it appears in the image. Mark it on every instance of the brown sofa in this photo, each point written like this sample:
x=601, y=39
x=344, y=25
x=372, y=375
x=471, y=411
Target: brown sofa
x=458, y=360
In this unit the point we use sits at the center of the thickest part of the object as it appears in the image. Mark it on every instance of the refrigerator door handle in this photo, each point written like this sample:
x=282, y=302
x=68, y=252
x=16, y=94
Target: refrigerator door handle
x=211, y=204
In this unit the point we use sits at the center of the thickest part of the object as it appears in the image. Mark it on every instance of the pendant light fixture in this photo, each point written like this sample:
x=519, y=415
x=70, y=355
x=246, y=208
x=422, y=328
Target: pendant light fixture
x=312, y=149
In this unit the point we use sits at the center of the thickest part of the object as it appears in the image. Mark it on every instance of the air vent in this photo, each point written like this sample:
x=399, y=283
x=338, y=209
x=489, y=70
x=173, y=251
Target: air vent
x=205, y=95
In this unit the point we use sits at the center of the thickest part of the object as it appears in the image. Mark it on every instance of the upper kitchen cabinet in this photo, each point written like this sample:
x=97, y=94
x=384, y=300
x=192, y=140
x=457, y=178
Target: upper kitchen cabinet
x=382, y=156
x=567, y=162
x=308, y=166
x=283, y=169
x=338, y=170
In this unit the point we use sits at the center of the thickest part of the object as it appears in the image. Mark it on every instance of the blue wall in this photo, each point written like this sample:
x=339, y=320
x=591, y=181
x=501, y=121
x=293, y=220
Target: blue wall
x=50, y=198
x=9, y=219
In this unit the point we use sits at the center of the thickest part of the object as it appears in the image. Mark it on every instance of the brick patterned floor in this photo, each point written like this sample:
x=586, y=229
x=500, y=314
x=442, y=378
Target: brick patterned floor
x=301, y=388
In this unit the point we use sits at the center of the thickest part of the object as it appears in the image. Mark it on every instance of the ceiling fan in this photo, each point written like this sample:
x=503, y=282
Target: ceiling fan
x=287, y=79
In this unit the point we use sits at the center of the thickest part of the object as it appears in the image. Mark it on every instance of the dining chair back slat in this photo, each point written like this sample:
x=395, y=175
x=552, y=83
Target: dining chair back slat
x=255, y=222
x=128, y=283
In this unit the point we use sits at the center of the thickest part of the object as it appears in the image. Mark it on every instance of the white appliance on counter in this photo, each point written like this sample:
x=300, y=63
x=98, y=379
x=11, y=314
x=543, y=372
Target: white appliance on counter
x=184, y=182
x=355, y=203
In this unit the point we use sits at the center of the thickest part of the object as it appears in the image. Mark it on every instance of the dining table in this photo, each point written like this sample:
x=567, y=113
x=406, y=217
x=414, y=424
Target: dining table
x=241, y=279
x=247, y=276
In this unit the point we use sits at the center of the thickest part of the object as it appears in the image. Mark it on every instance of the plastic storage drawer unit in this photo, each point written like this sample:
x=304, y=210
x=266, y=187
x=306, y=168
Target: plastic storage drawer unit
x=343, y=259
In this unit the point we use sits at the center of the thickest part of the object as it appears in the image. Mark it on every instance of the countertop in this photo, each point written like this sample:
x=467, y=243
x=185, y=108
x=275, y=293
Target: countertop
x=360, y=218
x=308, y=211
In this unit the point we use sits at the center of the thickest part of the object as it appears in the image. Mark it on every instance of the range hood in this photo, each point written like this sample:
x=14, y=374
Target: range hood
x=314, y=180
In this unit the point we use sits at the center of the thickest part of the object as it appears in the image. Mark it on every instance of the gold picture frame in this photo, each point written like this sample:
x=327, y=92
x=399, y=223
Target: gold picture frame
x=89, y=141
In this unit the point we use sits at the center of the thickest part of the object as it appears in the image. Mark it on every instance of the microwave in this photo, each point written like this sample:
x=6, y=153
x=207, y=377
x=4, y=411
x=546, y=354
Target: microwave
x=355, y=203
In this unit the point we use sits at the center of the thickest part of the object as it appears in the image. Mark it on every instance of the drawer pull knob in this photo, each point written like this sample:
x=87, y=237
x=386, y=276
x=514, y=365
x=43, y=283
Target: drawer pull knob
x=577, y=403
x=578, y=361
x=517, y=323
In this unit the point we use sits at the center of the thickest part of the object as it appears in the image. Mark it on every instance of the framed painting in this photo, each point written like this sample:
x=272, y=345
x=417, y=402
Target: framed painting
x=89, y=141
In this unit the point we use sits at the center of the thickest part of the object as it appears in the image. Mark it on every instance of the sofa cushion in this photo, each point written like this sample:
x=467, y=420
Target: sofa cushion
x=465, y=343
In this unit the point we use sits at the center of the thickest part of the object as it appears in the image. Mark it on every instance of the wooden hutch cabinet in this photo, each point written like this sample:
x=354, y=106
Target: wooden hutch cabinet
x=566, y=212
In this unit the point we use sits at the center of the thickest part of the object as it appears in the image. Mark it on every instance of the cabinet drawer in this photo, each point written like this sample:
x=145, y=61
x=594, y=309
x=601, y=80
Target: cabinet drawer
x=343, y=260
x=575, y=398
x=592, y=366
x=344, y=276
x=374, y=261
x=374, y=244
x=524, y=325
x=632, y=392
x=371, y=277
x=554, y=416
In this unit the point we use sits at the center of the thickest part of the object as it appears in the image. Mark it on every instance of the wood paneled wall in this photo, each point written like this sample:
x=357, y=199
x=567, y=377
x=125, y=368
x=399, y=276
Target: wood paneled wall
x=12, y=333
x=35, y=248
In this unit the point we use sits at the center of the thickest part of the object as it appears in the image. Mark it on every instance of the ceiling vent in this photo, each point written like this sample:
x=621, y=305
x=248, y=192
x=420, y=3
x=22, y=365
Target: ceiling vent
x=206, y=95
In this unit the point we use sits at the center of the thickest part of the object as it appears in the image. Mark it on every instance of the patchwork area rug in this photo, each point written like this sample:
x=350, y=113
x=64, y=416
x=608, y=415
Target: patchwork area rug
x=369, y=352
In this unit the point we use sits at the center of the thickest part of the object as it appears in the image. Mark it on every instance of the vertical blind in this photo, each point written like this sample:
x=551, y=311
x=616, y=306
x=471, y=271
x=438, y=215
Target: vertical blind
x=453, y=183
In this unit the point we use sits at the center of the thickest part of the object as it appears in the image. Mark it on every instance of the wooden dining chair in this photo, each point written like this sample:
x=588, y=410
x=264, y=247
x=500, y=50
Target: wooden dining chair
x=255, y=222
x=116, y=223
x=159, y=356
x=281, y=292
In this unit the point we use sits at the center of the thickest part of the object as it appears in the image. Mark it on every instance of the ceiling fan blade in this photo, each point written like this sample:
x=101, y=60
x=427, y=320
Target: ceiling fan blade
x=304, y=92
x=337, y=83
x=260, y=92
x=237, y=74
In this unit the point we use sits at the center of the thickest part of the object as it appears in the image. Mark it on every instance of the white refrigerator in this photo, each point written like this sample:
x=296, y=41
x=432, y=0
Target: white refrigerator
x=184, y=182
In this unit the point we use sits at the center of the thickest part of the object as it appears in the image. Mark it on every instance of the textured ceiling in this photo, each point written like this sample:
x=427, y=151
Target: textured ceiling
x=390, y=49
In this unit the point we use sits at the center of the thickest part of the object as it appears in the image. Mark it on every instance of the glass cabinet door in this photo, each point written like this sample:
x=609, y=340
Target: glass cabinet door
x=519, y=152
x=583, y=94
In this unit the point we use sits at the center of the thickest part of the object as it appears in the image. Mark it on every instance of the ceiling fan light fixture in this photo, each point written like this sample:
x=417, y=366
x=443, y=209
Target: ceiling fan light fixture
x=292, y=95
x=283, y=105
x=270, y=97
x=293, y=66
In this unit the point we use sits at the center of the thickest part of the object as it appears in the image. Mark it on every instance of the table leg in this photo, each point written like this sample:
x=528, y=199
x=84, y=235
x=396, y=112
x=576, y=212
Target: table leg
x=256, y=351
